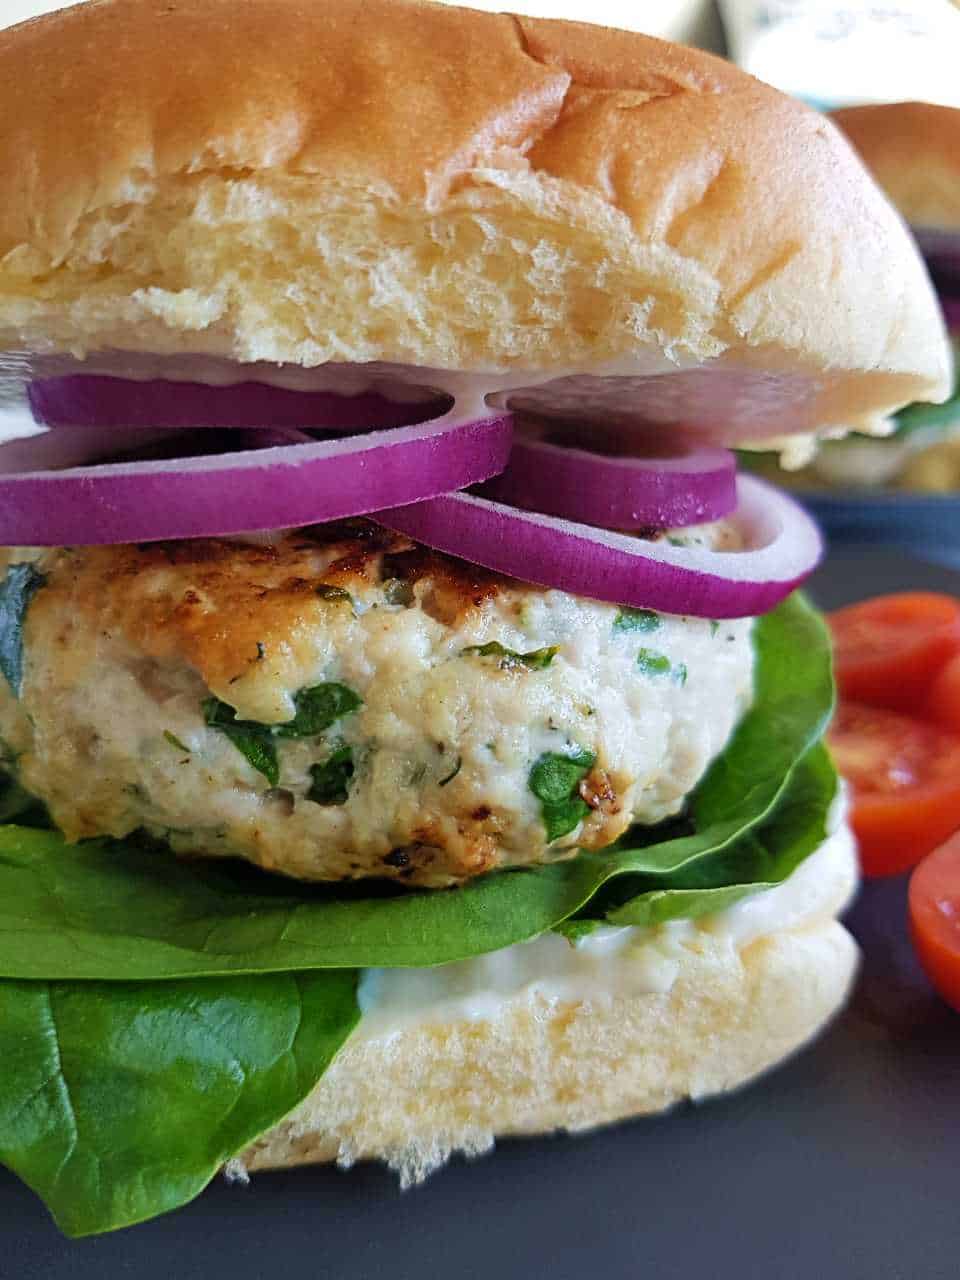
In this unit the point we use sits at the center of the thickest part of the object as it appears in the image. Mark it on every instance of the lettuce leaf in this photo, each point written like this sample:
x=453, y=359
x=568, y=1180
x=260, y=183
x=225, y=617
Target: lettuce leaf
x=117, y=910
x=761, y=859
x=120, y=1101
x=920, y=415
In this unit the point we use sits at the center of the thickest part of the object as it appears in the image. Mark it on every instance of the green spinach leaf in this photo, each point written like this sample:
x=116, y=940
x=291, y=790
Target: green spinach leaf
x=628, y=619
x=17, y=804
x=651, y=663
x=120, y=1101
x=18, y=588
x=254, y=741
x=921, y=415
x=761, y=859
x=510, y=659
x=317, y=708
x=555, y=780
x=331, y=780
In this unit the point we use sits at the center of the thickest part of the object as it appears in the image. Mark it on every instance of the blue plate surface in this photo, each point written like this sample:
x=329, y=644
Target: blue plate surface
x=927, y=525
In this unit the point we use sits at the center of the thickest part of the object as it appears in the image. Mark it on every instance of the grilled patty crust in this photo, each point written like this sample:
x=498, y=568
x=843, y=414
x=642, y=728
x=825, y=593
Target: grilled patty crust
x=340, y=703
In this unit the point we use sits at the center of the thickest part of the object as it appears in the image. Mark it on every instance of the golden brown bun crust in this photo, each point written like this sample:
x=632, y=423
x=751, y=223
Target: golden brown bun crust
x=428, y=1091
x=913, y=150
x=390, y=180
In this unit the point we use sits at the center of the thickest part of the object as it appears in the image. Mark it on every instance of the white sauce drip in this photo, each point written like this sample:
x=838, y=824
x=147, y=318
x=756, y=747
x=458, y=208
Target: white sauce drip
x=608, y=963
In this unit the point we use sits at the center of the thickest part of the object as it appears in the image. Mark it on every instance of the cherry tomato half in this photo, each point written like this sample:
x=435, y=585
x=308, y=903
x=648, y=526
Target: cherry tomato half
x=943, y=699
x=935, y=918
x=888, y=651
x=904, y=776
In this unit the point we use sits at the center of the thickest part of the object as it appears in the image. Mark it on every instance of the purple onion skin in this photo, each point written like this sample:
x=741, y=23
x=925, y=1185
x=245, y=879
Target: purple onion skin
x=82, y=400
x=618, y=493
x=577, y=564
x=248, y=491
x=951, y=312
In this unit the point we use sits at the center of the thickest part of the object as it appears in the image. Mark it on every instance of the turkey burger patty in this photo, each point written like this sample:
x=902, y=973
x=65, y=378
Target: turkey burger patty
x=341, y=703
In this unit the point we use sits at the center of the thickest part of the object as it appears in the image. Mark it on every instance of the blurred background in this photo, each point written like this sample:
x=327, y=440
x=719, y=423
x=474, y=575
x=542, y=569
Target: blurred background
x=832, y=52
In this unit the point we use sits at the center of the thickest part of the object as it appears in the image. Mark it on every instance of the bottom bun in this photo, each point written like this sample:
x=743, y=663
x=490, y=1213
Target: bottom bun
x=414, y=1095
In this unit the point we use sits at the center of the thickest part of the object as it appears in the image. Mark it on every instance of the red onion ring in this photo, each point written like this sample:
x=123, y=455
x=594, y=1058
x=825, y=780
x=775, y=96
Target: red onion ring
x=783, y=548
x=277, y=487
x=951, y=313
x=941, y=251
x=617, y=492
x=95, y=400
x=937, y=240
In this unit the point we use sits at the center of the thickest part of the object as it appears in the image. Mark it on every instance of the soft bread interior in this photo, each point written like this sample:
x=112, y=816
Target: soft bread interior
x=416, y=1094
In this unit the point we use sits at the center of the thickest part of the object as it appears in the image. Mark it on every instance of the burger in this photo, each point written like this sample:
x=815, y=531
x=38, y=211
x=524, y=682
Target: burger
x=413, y=734
x=912, y=150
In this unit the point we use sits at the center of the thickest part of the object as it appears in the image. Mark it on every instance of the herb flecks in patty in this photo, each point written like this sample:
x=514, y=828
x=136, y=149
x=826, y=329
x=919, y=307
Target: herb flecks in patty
x=316, y=708
x=331, y=779
x=510, y=659
x=652, y=663
x=18, y=588
x=555, y=781
x=636, y=620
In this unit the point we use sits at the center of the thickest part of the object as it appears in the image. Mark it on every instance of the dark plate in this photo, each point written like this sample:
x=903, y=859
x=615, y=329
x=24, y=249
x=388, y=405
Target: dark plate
x=840, y=1164
x=927, y=525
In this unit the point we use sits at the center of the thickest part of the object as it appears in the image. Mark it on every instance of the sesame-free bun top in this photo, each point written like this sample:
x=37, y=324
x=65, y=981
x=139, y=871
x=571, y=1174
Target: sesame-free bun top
x=913, y=150
x=392, y=181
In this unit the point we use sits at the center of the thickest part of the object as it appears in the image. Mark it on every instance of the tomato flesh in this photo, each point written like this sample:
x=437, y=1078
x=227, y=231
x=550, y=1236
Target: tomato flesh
x=904, y=776
x=888, y=651
x=935, y=918
x=943, y=699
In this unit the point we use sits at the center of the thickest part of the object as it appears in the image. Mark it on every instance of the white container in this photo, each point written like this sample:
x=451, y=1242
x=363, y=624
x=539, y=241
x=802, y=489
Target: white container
x=841, y=52
x=683, y=20
x=14, y=11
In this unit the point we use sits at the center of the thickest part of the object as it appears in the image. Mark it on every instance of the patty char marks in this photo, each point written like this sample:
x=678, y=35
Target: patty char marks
x=225, y=606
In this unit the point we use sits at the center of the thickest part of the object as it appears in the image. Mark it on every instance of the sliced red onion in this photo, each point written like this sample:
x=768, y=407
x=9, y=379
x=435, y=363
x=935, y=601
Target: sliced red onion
x=941, y=251
x=94, y=400
x=614, y=491
x=781, y=548
x=47, y=450
x=277, y=487
x=935, y=241
x=951, y=313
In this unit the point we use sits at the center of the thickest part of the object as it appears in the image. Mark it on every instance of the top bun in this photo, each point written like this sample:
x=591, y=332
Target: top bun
x=913, y=150
x=388, y=180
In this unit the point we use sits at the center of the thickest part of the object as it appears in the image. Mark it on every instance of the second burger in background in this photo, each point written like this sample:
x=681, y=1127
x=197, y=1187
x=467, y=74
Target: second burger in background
x=913, y=151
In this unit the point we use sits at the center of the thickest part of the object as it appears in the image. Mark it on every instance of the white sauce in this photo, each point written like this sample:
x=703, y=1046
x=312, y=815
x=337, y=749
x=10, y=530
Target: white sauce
x=404, y=383
x=475, y=393
x=717, y=402
x=608, y=963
